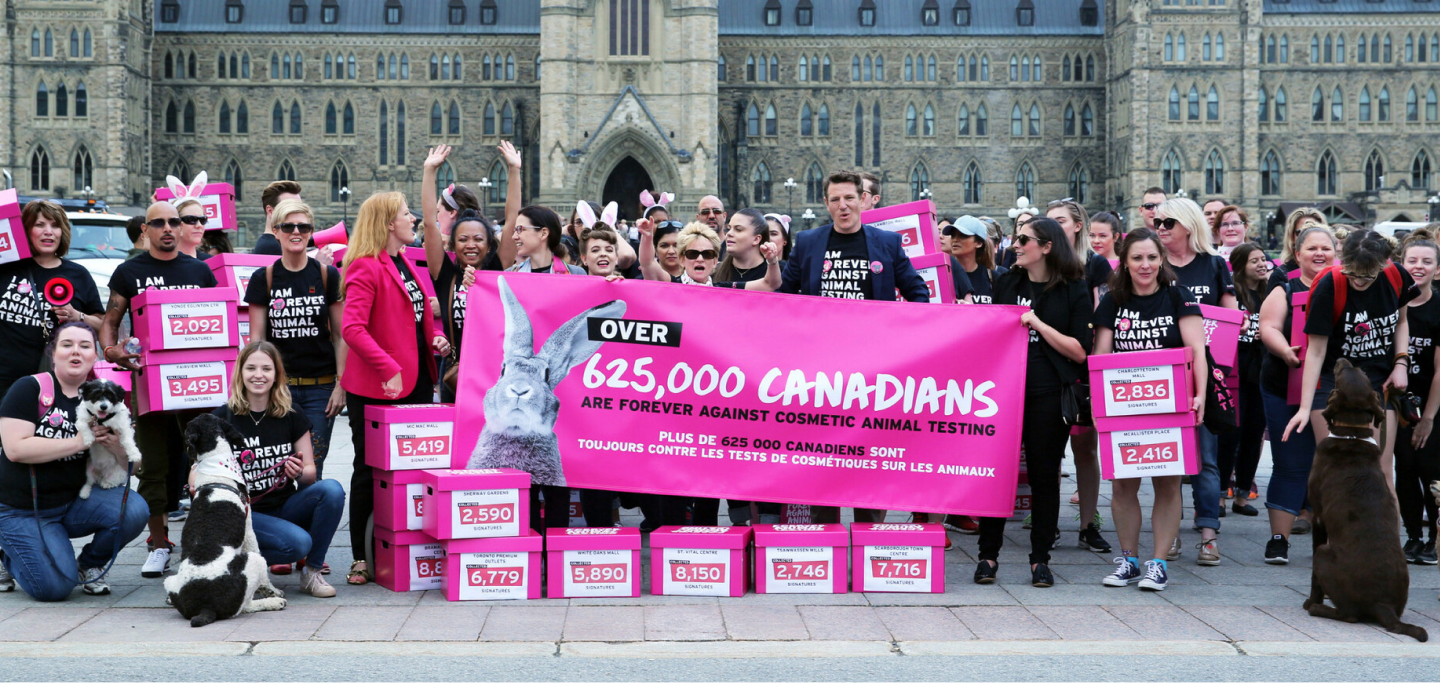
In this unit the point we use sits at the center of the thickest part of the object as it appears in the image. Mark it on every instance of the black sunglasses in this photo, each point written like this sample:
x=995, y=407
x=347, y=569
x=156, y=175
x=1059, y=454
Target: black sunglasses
x=1167, y=223
x=159, y=223
x=707, y=254
x=1023, y=239
x=291, y=228
x=710, y=212
x=193, y=220
x=1149, y=207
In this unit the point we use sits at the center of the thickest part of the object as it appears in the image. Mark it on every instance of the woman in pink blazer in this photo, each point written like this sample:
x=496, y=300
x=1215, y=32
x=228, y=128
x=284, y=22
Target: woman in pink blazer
x=392, y=337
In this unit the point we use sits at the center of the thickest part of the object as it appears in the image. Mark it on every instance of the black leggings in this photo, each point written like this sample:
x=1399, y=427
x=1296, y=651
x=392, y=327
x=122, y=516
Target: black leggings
x=362, y=480
x=1240, y=449
x=1043, y=435
x=557, y=508
x=1414, y=470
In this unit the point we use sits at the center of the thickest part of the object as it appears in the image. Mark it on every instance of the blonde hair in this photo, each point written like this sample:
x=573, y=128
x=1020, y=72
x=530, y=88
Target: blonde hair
x=187, y=201
x=287, y=207
x=1190, y=215
x=1081, y=247
x=695, y=231
x=372, y=225
x=279, y=391
x=1292, y=229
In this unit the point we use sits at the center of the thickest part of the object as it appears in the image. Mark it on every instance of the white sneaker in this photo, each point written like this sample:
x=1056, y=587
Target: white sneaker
x=314, y=583
x=92, y=583
x=7, y=582
x=156, y=563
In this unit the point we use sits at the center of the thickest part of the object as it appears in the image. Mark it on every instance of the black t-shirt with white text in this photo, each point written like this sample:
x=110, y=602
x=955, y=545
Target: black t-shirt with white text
x=452, y=310
x=147, y=272
x=297, y=307
x=982, y=284
x=58, y=481
x=1365, y=332
x=1207, y=276
x=268, y=443
x=846, y=271
x=1147, y=322
x=1424, y=322
x=26, y=320
x=417, y=303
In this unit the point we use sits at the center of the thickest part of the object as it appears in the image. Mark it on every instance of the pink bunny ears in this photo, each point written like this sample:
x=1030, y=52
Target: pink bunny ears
x=782, y=218
x=587, y=214
x=648, y=200
x=181, y=192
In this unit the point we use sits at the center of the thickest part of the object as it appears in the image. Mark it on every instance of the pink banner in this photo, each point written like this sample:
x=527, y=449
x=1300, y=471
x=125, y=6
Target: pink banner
x=659, y=388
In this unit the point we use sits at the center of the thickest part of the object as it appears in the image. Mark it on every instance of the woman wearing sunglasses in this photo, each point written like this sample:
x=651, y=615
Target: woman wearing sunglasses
x=295, y=304
x=1190, y=253
x=700, y=254
x=192, y=234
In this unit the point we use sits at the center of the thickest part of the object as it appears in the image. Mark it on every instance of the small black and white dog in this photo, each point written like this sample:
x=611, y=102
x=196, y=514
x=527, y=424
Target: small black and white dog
x=221, y=569
x=103, y=402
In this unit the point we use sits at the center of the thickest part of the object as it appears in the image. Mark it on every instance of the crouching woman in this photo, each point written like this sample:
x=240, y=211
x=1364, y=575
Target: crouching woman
x=42, y=471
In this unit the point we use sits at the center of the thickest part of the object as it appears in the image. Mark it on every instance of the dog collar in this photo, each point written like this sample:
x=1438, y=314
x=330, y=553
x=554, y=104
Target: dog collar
x=1371, y=439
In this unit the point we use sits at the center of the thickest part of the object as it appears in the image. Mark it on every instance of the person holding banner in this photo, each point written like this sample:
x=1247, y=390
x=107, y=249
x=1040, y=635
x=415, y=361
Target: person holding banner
x=1048, y=279
x=1417, y=456
x=743, y=261
x=391, y=339
x=1239, y=450
x=1146, y=309
x=1314, y=252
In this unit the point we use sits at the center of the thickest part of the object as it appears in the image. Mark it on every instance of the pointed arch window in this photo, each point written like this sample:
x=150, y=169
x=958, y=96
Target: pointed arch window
x=82, y=174
x=1180, y=48
x=294, y=118
x=1068, y=122
x=1383, y=105
x=339, y=179
x=62, y=101
x=1365, y=104
x=982, y=121
x=928, y=123
x=1430, y=105
x=436, y=122
x=1420, y=171
x=42, y=100
x=807, y=125
x=1090, y=68
x=277, y=119
x=875, y=134
x=760, y=181
x=1337, y=105
x=39, y=170
x=930, y=68
x=1087, y=121
x=909, y=68
x=235, y=178
x=1220, y=47
x=75, y=43
x=1170, y=172
x=49, y=43
x=330, y=118
x=1033, y=120
x=1374, y=172
x=1263, y=101
x=500, y=181
x=1169, y=50
x=1317, y=105
x=347, y=120
x=1270, y=174
x=379, y=67
x=1412, y=105
x=823, y=125
x=1025, y=180
x=172, y=118
x=1065, y=69
x=404, y=67
x=964, y=120
x=1192, y=104
x=1281, y=110
x=1017, y=122
x=1206, y=52
x=814, y=185
x=911, y=124
x=772, y=122
x=400, y=133
x=1174, y=103
x=1212, y=105
x=752, y=121
x=919, y=181
x=384, y=133
x=444, y=177
x=1080, y=183
x=242, y=117
x=181, y=170
x=454, y=119
x=1325, y=174
x=1214, y=173
x=189, y=117
x=224, y=127
x=507, y=120
x=489, y=120
x=35, y=44
x=972, y=183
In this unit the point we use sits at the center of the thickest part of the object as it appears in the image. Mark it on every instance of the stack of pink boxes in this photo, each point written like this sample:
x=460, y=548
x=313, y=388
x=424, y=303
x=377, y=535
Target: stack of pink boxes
x=189, y=340
x=920, y=237
x=1141, y=402
x=235, y=270
x=14, y=245
x=401, y=442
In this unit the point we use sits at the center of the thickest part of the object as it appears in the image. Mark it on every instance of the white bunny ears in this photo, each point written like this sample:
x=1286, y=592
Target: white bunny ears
x=181, y=192
x=587, y=214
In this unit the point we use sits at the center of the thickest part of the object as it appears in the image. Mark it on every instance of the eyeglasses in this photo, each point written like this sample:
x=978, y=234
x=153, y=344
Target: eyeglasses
x=708, y=254
x=159, y=223
x=291, y=228
x=1023, y=240
x=1150, y=207
x=711, y=212
x=1232, y=224
x=192, y=220
x=1360, y=279
x=1167, y=223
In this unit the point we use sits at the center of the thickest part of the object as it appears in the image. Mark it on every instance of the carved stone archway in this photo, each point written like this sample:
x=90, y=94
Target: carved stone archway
x=628, y=141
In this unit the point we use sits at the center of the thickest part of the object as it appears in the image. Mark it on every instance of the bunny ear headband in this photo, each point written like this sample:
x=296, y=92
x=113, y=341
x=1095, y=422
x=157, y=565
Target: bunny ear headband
x=782, y=218
x=648, y=200
x=587, y=214
x=180, y=191
x=448, y=196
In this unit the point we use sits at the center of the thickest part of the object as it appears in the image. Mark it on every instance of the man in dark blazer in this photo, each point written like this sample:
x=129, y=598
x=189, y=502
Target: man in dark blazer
x=849, y=260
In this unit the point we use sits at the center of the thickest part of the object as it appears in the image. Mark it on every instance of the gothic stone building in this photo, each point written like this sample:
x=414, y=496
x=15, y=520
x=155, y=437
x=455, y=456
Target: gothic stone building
x=1262, y=102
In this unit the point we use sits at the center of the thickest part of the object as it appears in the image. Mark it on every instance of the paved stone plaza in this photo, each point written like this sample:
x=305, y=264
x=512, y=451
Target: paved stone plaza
x=1242, y=606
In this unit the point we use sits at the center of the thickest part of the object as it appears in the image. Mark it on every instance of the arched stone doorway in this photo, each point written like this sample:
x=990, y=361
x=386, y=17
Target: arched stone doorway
x=624, y=185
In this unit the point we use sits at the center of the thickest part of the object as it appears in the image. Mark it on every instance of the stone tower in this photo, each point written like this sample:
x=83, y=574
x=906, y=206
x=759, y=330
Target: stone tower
x=628, y=101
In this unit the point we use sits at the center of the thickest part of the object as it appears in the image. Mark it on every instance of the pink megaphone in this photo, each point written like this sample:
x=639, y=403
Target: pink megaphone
x=334, y=234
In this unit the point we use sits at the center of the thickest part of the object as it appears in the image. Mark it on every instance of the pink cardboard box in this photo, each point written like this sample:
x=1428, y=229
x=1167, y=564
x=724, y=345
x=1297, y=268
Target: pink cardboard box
x=235, y=270
x=1222, y=333
x=243, y=316
x=1299, y=301
x=1141, y=382
x=400, y=499
x=1148, y=446
x=185, y=319
x=897, y=558
x=14, y=243
x=409, y=437
x=182, y=380
x=602, y=562
x=913, y=221
x=699, y=560
x=408, y=561
x=494, y=568
x=935, y=270
x=1024, y=499
x=476, y=503
x=114, y=373
x=801, y=558
x=218, y=200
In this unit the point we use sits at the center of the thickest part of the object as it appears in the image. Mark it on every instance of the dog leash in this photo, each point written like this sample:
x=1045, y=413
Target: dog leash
x=115, y=553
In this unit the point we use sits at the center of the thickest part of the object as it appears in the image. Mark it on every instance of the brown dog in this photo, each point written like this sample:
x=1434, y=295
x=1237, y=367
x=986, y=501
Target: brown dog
x=1358, y=562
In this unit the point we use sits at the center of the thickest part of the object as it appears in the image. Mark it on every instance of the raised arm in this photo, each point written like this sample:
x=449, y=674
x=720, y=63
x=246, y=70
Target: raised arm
x=429, y=202
x=512, y=203
x=649, y=267
x=772, y=270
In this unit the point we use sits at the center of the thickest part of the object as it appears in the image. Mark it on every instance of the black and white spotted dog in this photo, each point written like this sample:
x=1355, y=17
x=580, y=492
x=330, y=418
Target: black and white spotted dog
x=103, y=402
x=221, y=571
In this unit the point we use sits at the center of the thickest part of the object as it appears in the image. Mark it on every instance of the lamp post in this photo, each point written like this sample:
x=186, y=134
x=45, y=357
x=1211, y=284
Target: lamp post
x=1181, y=193
x=89, y=195
x=1434, y=202
x=1022, y=208
x=345, y=198
x=485, y=185
x=809, y=217
x=790, y=186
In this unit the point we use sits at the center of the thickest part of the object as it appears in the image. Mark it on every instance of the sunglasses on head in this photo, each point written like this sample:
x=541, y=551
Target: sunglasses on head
x=1150, y=207
x=292, y=228
x=1058, y=202
x=708, y=254
x=1167, y=223
x=1023, y=239
x=670, y=224
x=159, y=223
